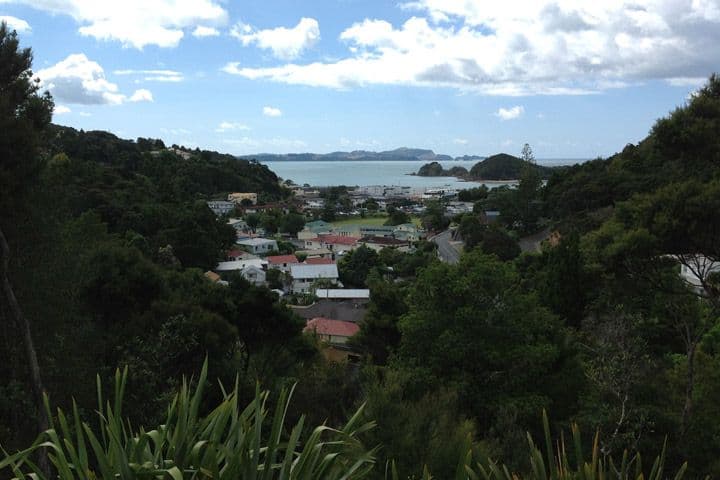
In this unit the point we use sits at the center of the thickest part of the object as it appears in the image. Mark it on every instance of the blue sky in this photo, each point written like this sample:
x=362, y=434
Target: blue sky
x=575, y=79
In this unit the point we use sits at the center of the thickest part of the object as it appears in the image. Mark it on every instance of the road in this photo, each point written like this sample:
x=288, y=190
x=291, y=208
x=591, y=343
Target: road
x=446, y=251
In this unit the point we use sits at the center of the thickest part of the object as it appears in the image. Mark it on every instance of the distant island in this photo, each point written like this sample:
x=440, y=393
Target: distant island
x=496, y=167
x=399, y=154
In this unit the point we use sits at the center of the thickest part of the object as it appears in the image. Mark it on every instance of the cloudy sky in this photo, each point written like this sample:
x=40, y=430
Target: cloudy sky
x=575, y=79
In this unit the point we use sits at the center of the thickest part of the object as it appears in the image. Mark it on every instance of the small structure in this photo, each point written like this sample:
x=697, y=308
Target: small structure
x=239, y=225
x=220, y=207
x=212, y=276
x=319, y=261
x=303, y=276
x=315, y=253
x=334, y=243
x=258, y=246
x=282, y=262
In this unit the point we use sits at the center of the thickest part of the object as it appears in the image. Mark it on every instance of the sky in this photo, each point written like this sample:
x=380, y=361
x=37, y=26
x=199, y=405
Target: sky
x=574, y=79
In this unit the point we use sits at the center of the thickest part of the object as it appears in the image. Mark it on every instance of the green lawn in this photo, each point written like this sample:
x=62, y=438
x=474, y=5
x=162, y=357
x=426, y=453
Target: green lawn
x=374, y=220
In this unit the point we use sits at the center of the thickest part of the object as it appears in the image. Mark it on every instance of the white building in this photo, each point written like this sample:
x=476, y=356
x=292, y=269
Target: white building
x=254, y=275
x=303, y=276
x=258, y=246
x=343, y=293
x=239, y=265
x=220, y=207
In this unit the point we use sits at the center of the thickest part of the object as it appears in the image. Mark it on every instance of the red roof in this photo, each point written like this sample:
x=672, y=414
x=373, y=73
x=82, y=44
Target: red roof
x=319, y=261
x=280, y=259
x=336, y=328
x=236, y=252
x=338, y=239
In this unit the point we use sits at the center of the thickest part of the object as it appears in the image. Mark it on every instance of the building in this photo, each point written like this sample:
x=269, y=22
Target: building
x=254, y=275
x=334, y=243
x=220, y=207
x=238, y=254
x=237, y=265
x=238, y=197
x=343, y=293
x=313, y=229
x=696, y=269
x=319, y=261
x=282, y=262
x=333, y=335
x=258, y=246
x=315, y=253
x=239, y=225
x=378, y=243
x=304, y=276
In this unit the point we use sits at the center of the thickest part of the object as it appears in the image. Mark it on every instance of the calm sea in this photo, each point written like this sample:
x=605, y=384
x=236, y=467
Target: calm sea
x=364, y=173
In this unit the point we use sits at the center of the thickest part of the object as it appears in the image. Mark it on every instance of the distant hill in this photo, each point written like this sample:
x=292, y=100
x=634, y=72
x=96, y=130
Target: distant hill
x=497, y=167
x=402, y=154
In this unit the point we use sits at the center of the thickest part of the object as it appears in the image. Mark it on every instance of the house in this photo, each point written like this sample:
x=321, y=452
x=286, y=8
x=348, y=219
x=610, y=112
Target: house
x=491, y=216
x=237, y=254
x=303, y=276
x=315, y=253
x=239, y=225
x=334, y=335
x=318, y=261
x=238, y=197
x=334, y=243
x=332, y=331
x=254, y=275
x=220, y=207
x=239, y=265
x=695, y=269
x=312, y=229
x=282, y=262
x=378, y=243
x=258, y=246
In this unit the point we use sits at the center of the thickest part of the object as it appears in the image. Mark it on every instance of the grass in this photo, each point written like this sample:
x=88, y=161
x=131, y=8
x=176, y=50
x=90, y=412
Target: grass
x=377, y=220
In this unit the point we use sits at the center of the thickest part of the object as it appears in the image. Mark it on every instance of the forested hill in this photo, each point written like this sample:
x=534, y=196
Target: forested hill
x=495, y=167
x=682, y=146
x=193, y=173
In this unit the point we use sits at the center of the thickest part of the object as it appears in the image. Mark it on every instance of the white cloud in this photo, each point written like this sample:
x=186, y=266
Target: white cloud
x=79, y=80
x=175, y=131
x=61, y=110
x=85, y=114
x=228, y=126
x=285, y=43
x=141, y=95
x=523, y=47
x=203, y=31
x=687, y=81
x=510, y=113
x=14, y=23
x=136, y=23
x=154, y=75
x=460, y=141
x=272, y=112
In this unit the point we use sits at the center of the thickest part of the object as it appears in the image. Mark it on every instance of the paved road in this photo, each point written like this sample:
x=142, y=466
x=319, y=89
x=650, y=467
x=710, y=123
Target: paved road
x=533, y=243
x=446, y=251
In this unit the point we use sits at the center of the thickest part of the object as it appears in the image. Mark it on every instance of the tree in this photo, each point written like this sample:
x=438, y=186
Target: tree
x=434, y=218
x=292, y=223
x=23, y=114
x=396, y=216
x=328, y=211
x=355, y=266
x=471, y=327
x=253, y=221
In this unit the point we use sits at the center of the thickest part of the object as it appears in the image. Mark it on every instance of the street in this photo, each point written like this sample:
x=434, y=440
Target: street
x=446, y=251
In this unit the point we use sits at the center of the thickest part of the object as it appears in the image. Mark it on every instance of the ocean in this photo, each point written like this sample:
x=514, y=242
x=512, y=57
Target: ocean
x=365, y=173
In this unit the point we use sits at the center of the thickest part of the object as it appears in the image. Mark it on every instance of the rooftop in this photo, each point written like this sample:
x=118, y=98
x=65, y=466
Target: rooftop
x=314, y=271
x=327, y=326
x=342, y=293
x=280, y=259
x=383, y=241
x=339, y=240
x=254, y=241
x=239, y=265
x=319, y=261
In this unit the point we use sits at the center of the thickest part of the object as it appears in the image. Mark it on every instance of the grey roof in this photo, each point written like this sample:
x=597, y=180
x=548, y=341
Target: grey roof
x=342, y=293
x=255, y=241
x=314, y=271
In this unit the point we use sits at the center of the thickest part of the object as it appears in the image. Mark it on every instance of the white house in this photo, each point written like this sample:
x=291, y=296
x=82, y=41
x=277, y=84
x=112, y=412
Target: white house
x=343, y=293
x=239, y=265
x=254, y=275
x=695, y=269
x=303, y=276
x=258, y=246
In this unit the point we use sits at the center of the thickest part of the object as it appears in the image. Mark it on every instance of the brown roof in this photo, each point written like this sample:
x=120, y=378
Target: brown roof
x=280, y=259
x=336, y=328
x=383, y=241
x=212, y=276
x=319, y=261
x=338, y=239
